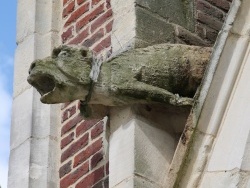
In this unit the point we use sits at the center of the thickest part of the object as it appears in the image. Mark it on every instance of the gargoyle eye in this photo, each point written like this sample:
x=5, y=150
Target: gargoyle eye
x=63, y=54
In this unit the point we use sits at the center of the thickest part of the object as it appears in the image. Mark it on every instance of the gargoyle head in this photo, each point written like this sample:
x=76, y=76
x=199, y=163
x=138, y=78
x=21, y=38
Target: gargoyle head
x=64, y=76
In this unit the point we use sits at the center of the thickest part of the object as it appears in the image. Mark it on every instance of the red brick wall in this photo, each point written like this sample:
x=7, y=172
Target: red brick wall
x=84, y=158
x=209, y=18
x=210, y=15
x=88, y=22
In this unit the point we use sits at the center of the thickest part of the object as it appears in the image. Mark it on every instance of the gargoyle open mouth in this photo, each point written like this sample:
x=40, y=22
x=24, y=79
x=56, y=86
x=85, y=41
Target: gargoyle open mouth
x=44, y=84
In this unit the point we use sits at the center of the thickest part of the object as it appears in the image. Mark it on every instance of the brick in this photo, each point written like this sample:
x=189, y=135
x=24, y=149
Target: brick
x=77, y=13
x=67, y=34
x=91, y=179
x=109, y=26
x=64, y=116
x=67, y=113
x=96, y=159
x=79, y=2
x=95, y=2
x=101, y=20
x=211, y=34
x=75, y=147
x=210, y=10
x=86, y=125
x=94, y=38
x=64, y=105
x=65, y=169
x=68, y=139
x=71, y=124
x=209, y=21
x=108, y=5
x=88, y=18
x=74, y=176
x=68, y=9
x=200, y=30
x=97, y=130
x=105, y=43
x=72, y=111
x=223, y=4
x=65, y=2
x=89, y=151
x=106, y=182
x=107, y=168
x=80, y=37
x=98, y=185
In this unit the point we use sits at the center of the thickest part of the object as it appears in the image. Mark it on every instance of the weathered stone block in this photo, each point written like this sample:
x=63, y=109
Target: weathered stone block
x=143, y=182
x=21, y=118
x=221, y=179
x=26, y=21
x=43, y=168
x=24, y=118
x=139, y=23
x=142, y=144
x=152, y=29
x=23, y=58
x=19, y=165
x=178, y=11
x=137, y=156
x=51, y=23
x=152, y=157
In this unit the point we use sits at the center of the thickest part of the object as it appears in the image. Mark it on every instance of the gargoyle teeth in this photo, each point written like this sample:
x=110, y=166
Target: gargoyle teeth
x=45, y=96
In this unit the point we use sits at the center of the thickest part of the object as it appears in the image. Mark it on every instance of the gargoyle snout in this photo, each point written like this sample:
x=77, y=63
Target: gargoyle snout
x=43, y=82
x=32, y=66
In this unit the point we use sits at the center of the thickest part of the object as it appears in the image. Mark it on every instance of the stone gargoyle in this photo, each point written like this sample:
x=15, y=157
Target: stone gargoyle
x=165, y=73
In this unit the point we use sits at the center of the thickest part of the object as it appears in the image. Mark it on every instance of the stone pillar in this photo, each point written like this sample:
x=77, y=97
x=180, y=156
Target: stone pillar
x=143, y=139
x=34, y=132
x=142, y=144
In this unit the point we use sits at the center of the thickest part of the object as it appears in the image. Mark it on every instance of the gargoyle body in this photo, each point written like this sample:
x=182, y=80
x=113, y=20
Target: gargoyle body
x=166, y=73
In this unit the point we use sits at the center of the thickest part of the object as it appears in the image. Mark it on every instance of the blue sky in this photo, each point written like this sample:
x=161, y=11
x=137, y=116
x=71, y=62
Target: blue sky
x=7, y=48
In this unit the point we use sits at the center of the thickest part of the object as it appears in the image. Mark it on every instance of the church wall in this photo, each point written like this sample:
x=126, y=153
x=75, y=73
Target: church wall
x=111, y=27
x=105, y=27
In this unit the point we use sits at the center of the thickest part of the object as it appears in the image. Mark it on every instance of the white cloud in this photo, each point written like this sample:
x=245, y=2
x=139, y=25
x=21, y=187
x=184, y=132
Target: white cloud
x=6, y=69
x=3, y=175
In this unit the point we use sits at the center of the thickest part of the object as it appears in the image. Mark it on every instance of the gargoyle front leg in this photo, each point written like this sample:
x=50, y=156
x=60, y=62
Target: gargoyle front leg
x=142, y=91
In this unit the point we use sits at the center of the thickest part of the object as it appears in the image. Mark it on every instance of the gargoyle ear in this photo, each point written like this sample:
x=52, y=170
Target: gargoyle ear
x=86, y=53
x=56, y=51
